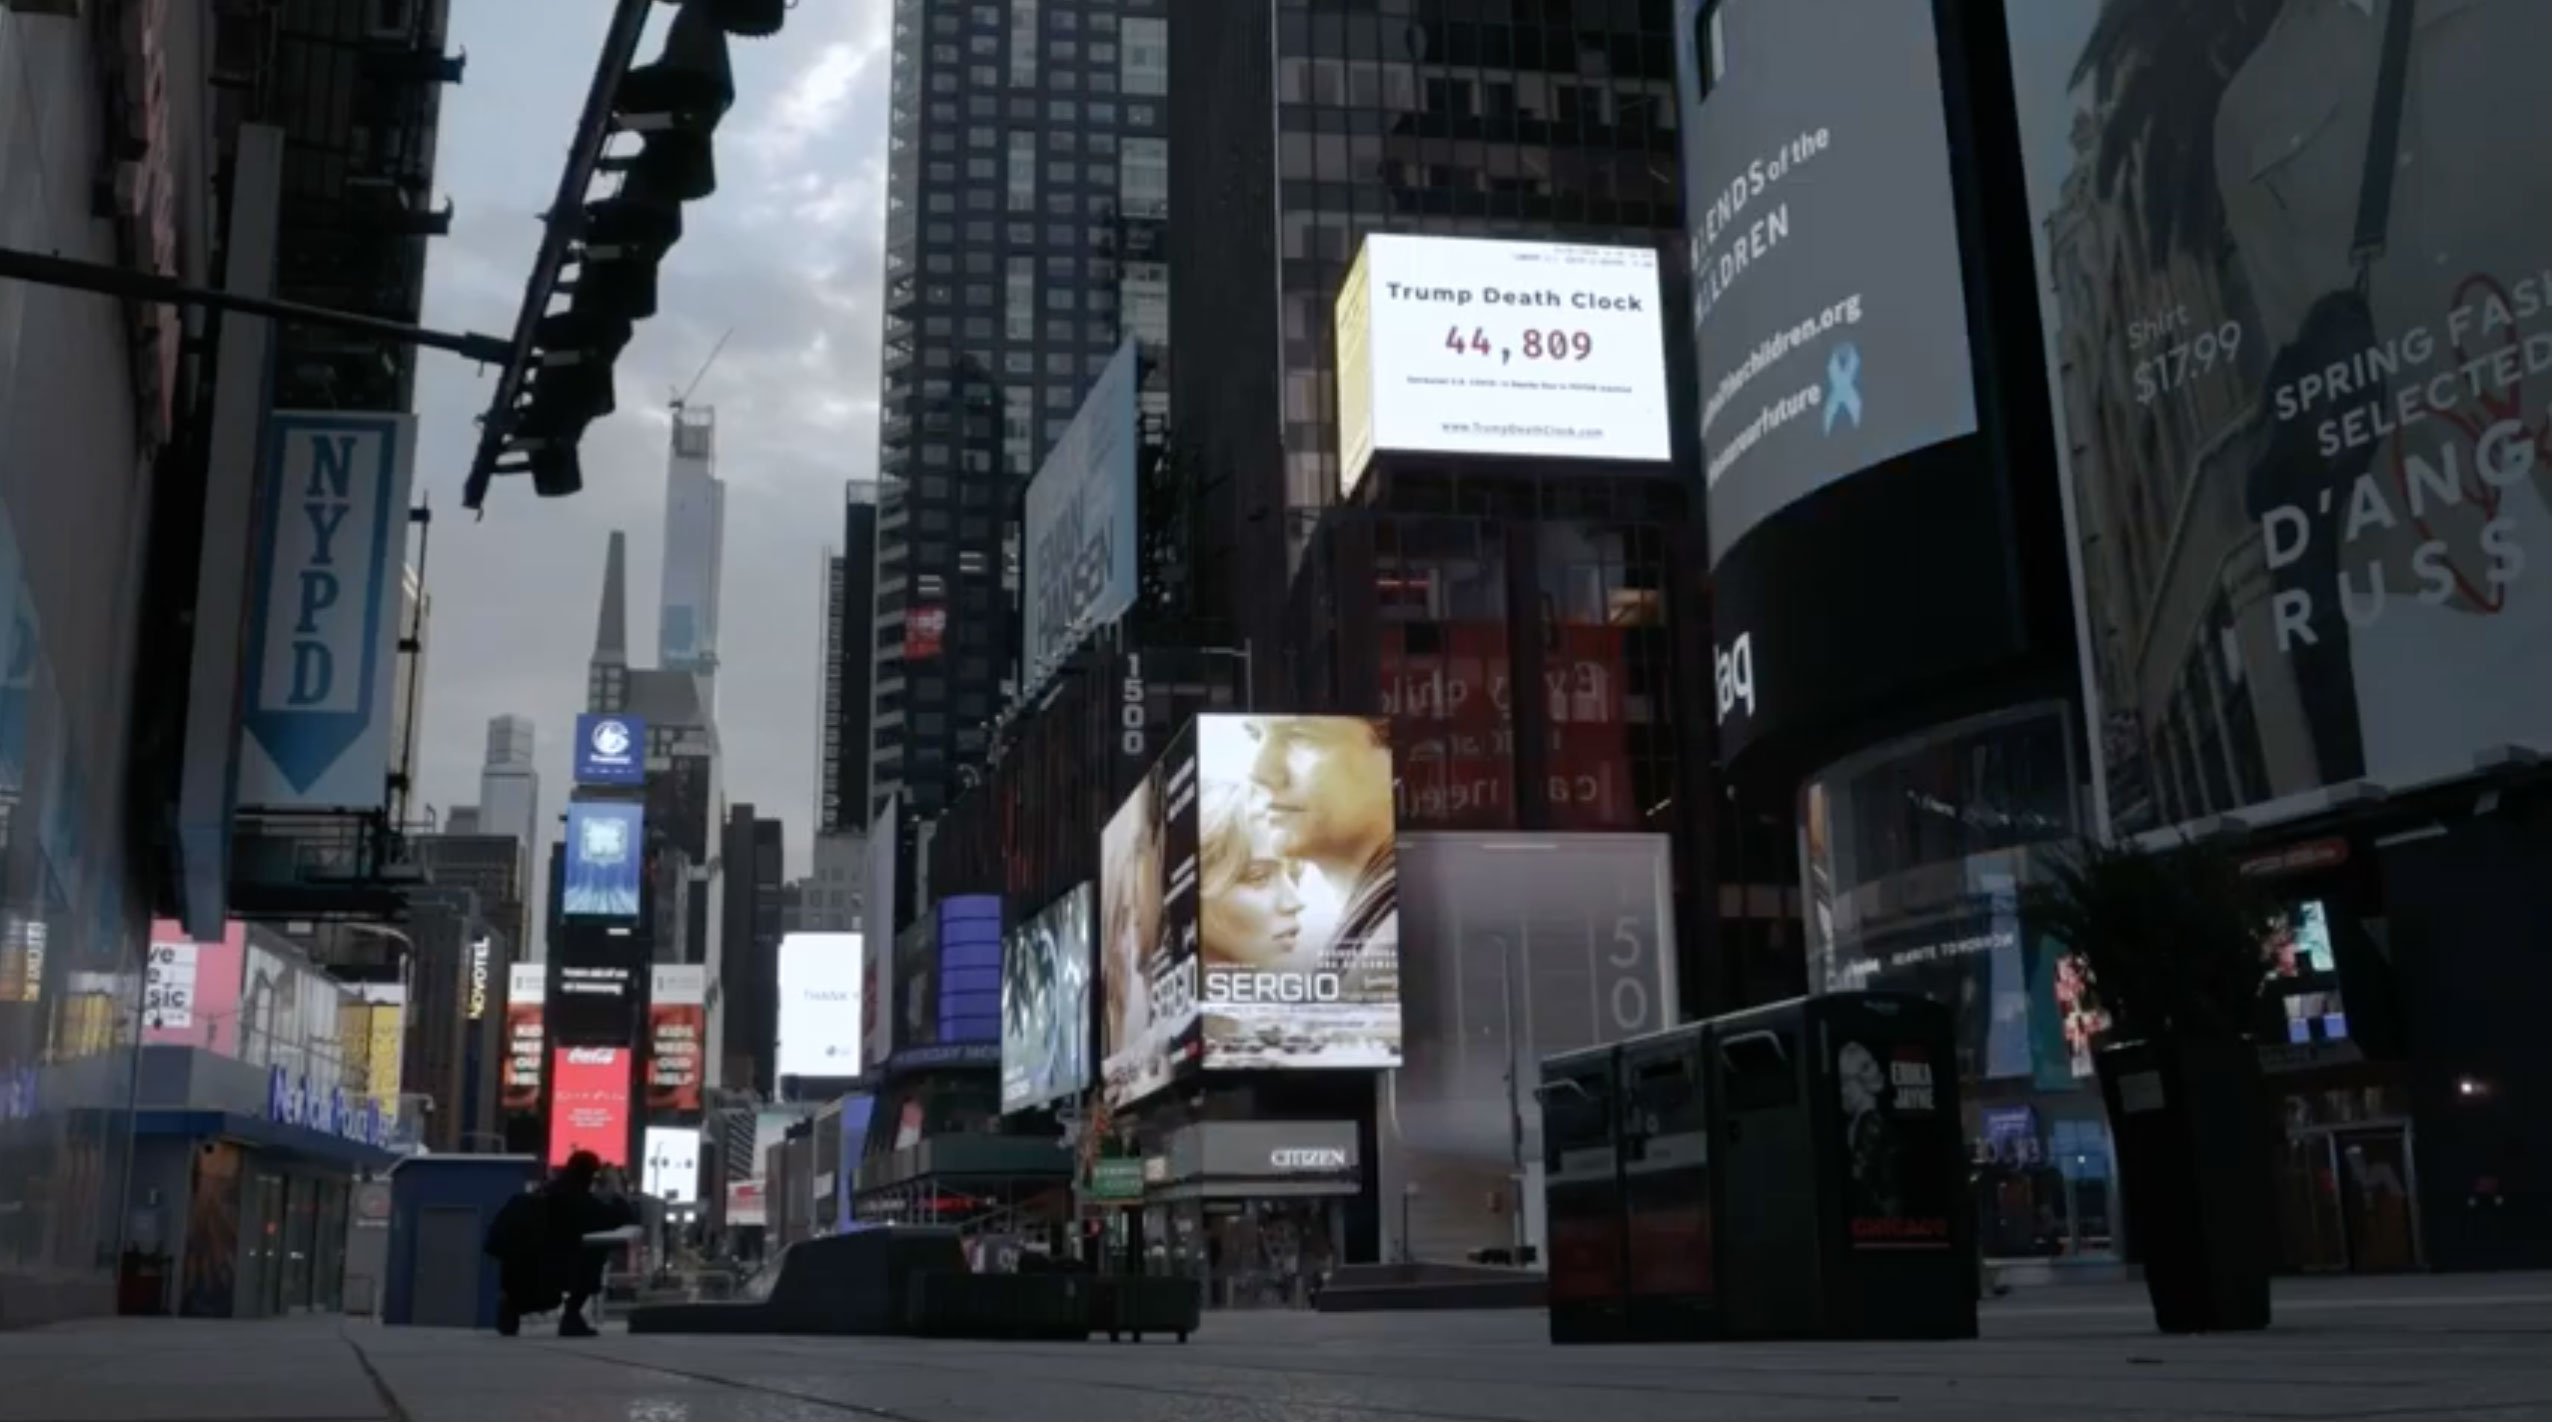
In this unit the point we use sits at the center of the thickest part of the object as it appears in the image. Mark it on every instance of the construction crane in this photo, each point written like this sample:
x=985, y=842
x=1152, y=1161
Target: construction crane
x=682, y=398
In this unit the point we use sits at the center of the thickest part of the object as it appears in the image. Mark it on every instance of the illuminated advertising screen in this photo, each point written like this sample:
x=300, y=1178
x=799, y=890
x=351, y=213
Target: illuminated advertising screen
x=604, y=862
x=1045, y=1003
x=820, y=981
x=670, y=1169
x=677, y=1029
x=598, y=973
x=1459, y=345
x=589, y=1104
x=947, y=1004
x=526, y=988
x=2295, y=285
x=1297, y=887
x=610, y=750
x=1147, y=929
x=1079, y=522
x=1828, y=314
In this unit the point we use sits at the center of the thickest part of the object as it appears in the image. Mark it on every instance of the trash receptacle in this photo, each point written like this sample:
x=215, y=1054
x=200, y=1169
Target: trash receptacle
x=1841, y=1170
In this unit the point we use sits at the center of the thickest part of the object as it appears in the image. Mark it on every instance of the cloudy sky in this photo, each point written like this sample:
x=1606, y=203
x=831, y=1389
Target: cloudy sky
x=787, y=254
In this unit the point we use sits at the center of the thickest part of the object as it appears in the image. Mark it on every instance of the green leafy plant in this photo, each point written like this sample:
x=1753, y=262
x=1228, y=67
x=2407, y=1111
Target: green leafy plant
x=2169, y=938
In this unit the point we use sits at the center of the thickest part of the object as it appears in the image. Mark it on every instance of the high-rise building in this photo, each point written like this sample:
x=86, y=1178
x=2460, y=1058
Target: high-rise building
x=510, y=805
x=850, y=602
x=684, y=789
x=1358, y=122
x=695, y=550
x=749, y=958
x=1030, y=188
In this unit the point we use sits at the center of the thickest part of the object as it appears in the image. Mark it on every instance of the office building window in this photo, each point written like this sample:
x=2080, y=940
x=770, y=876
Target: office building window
x=1143, y=56
x=1023, y=44
x=1020, y=306
x=1023, y=170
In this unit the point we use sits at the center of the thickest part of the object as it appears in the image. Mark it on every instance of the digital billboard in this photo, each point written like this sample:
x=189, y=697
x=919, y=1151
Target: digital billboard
x=604, y=860
x=1147, y=928
x=2299, y=388
x=947, y=1004
x=1080, y=521
x=526, y=993
x=1045, y=1003
x=677, y=1035
x=670, y=1169
x=597, y=975
x=819, y=1023
x=1461, y=345
x=1829, y=315
x=589, y=1103
x=1297, y=889
x=611, y=749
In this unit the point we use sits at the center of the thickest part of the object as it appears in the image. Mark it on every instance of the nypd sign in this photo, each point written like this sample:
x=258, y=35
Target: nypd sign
x=296, y=1101
x=324, y=611
x=610, y=750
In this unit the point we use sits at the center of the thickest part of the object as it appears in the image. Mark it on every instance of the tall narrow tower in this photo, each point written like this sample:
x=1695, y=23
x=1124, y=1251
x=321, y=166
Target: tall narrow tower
x=607, y=674
x=695, y=549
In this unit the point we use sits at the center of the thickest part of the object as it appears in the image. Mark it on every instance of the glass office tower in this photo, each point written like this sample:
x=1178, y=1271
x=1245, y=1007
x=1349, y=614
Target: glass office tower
x=1029, y=183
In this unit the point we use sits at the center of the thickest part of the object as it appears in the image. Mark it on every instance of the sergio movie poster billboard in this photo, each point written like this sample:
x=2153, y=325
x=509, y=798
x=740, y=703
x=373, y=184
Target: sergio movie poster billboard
x=2295, y=269
x=1297, y=892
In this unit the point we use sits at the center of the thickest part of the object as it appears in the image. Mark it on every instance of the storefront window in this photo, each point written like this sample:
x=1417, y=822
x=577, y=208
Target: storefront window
x=1916, y=855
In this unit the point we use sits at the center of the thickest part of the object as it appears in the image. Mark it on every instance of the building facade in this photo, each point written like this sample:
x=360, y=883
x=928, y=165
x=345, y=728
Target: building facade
x=842, y=727
x=747, y=972
x=695, y=548
x=1028, y=183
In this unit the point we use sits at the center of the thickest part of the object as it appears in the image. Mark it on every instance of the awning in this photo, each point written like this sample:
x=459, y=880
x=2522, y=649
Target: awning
x=256, y=1132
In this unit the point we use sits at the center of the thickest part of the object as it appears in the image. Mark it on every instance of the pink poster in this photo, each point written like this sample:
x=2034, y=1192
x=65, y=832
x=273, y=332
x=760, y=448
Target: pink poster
x=190, y=990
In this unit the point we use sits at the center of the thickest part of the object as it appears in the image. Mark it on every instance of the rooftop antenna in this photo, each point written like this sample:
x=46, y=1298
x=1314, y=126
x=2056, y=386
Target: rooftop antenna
x=682, y=397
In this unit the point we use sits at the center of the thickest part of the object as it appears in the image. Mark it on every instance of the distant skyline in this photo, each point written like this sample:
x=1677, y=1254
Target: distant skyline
x=787, y=253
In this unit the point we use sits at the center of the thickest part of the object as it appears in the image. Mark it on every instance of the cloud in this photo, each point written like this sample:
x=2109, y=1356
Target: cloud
x=785, y=257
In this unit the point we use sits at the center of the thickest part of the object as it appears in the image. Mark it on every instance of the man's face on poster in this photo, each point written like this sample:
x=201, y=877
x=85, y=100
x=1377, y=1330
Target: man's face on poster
x=1325, y=784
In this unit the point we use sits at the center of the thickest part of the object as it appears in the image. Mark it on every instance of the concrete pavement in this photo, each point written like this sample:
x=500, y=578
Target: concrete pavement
x=2423, y=1349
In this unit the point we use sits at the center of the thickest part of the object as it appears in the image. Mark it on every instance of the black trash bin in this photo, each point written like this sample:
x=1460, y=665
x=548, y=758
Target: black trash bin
x=1840, y=1170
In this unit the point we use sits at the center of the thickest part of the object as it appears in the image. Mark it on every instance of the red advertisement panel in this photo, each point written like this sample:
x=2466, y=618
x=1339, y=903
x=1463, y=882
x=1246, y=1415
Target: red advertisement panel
x=1586, y=685
x=925, y=628
x=589, y=1104
x=1444, y=686
x=674, y=1034
x=523, y=1042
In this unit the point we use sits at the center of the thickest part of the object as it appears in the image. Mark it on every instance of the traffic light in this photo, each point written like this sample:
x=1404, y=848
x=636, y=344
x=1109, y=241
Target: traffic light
x=608, y=274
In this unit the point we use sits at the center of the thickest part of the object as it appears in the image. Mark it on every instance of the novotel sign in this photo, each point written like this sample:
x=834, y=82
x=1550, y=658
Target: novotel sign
x=295, y=1101
x=481, y=950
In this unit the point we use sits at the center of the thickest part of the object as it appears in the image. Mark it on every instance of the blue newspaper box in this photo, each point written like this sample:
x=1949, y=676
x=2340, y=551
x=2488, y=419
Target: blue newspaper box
x=440, y=1207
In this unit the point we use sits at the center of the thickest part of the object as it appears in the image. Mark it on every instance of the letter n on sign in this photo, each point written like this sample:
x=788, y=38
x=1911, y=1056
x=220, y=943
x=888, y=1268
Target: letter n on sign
x=324, y=610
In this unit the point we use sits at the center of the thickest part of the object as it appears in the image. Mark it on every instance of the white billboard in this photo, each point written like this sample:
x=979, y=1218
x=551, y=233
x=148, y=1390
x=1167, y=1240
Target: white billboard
x=1459, y=345
x=671, y=1168
x=324, y=606
x=820, y=990
x=1080, y=525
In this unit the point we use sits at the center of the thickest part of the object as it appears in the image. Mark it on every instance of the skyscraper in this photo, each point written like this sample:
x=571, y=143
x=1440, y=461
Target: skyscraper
x=695, y=550
x=684, y=787
x=510, y=804
x=1029, y=185
x=842, y=726
x=1354, y=121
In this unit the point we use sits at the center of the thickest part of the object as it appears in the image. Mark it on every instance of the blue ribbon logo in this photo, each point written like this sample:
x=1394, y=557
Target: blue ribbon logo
x=1843, y=385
